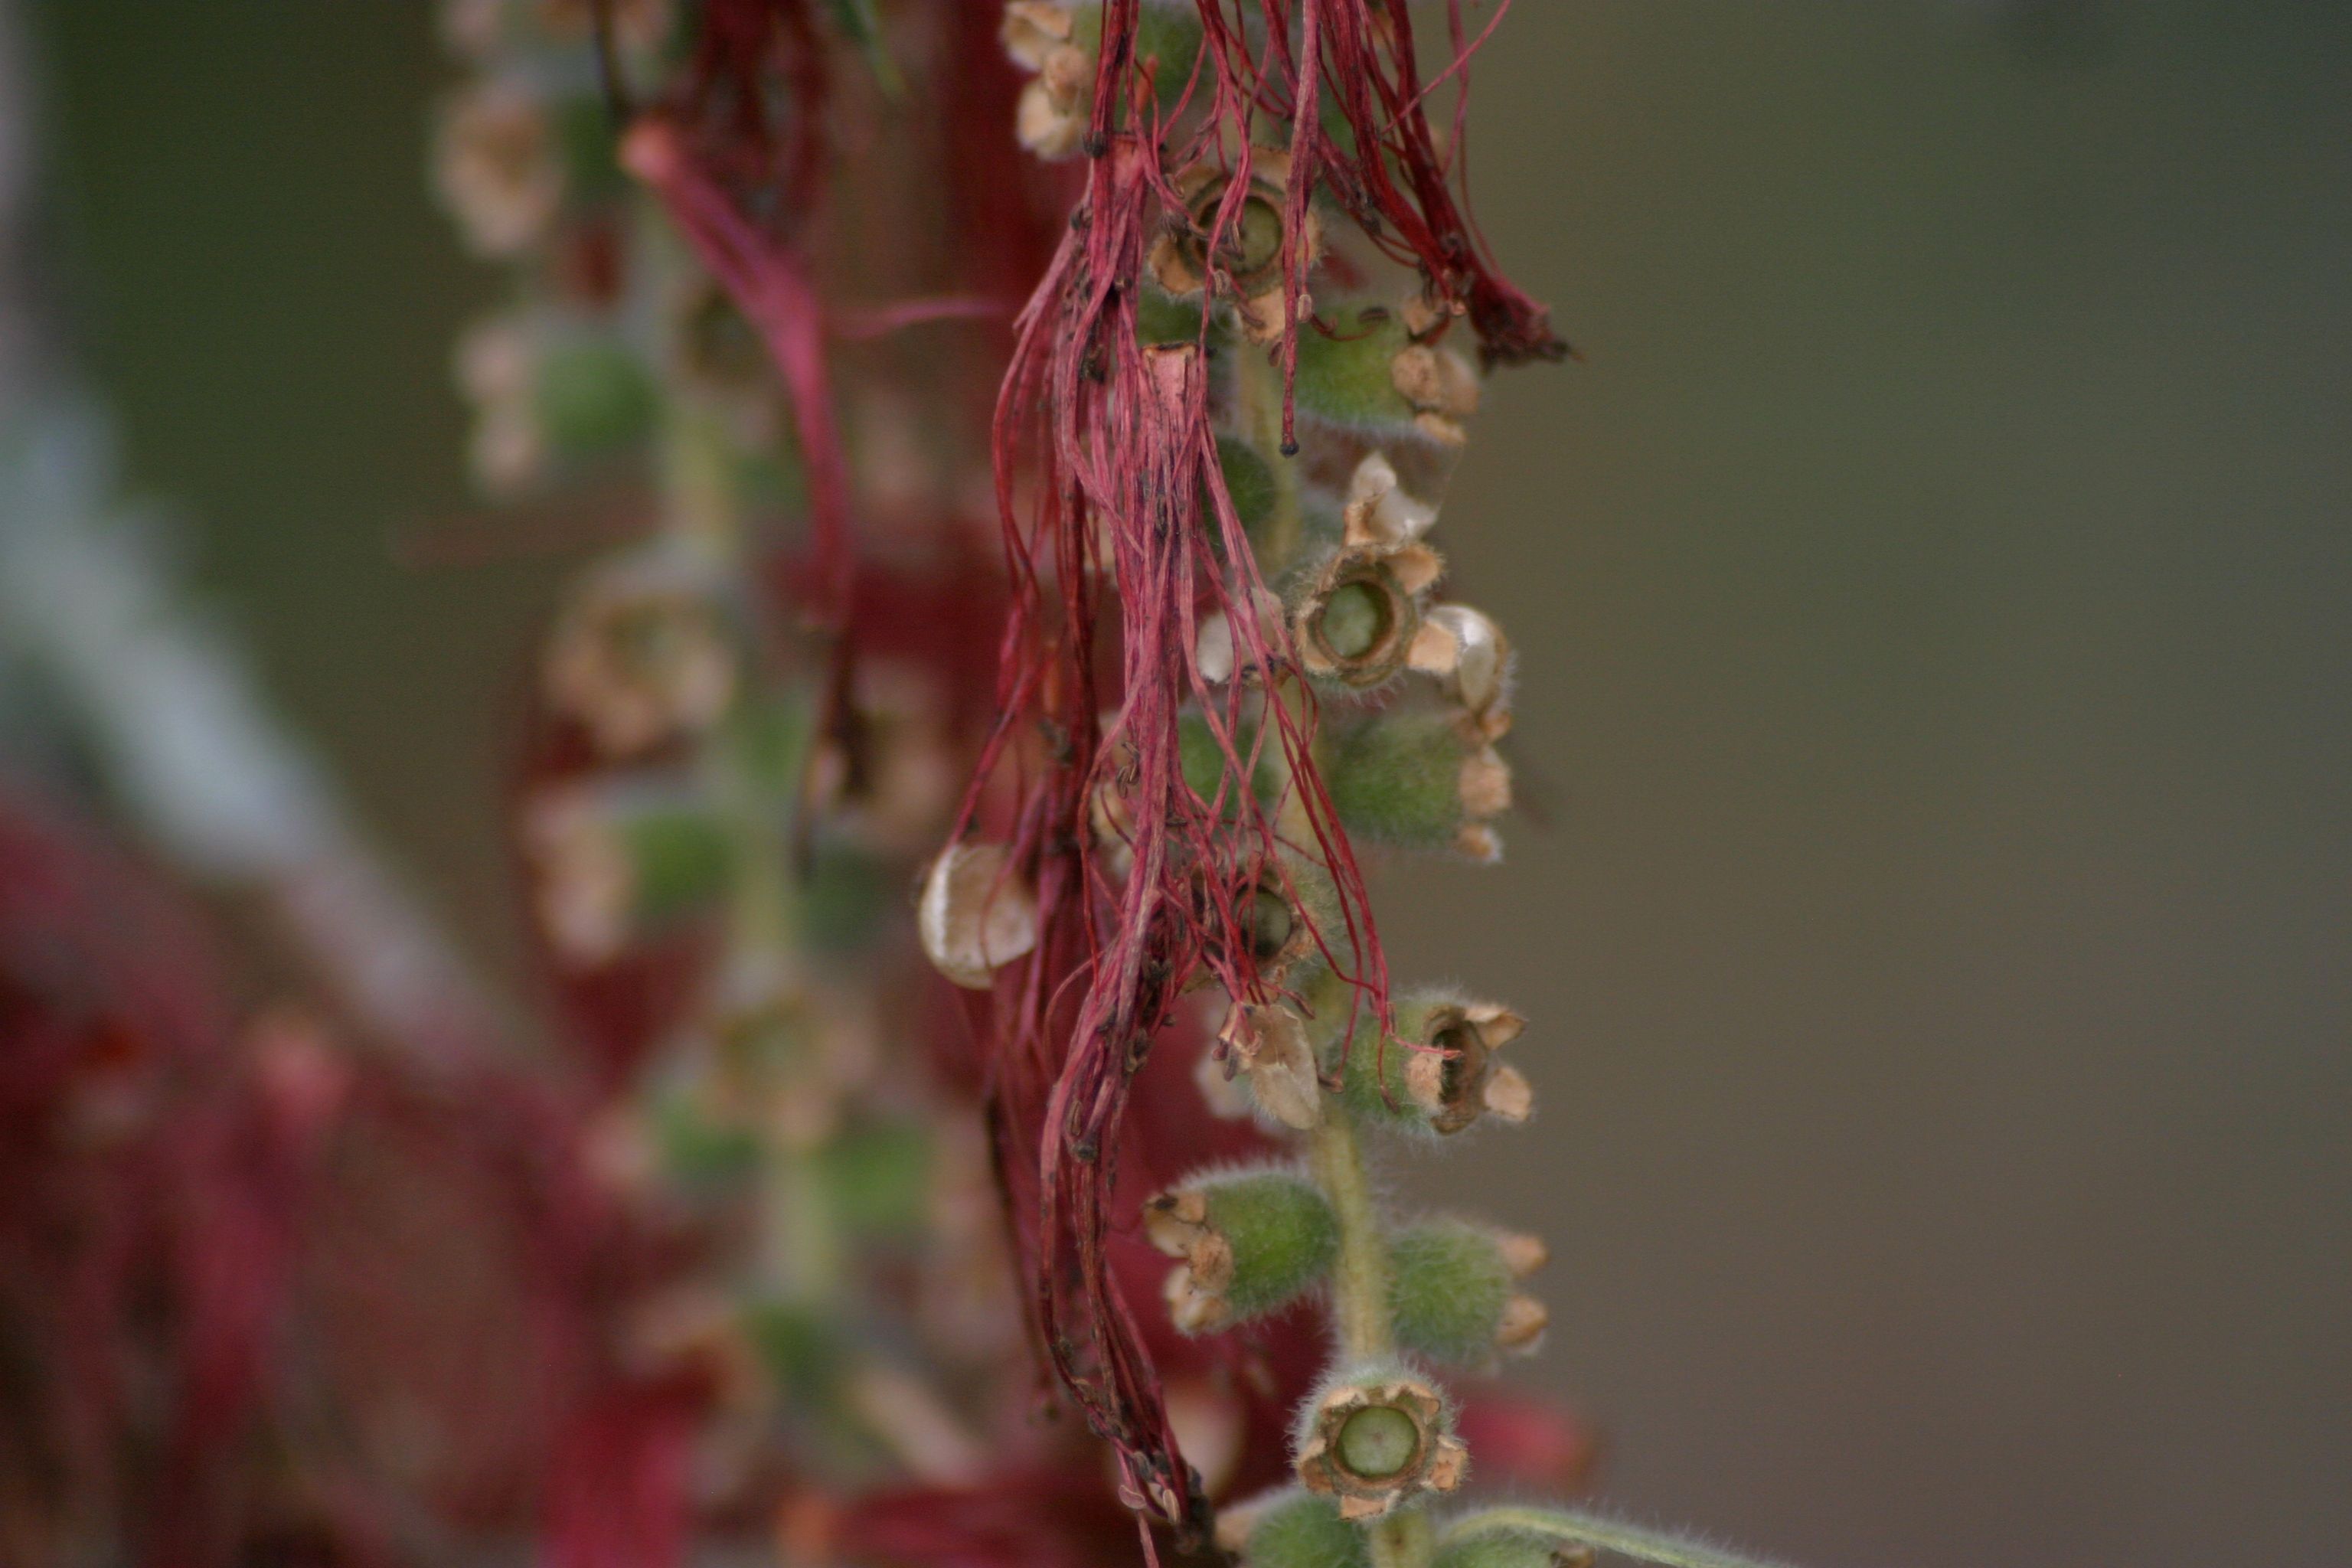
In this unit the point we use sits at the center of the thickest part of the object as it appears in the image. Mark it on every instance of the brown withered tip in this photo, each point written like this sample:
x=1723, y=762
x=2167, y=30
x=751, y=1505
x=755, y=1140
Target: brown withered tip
x=1442, y=388
x=1521, y=1327
x=640, y=653
x=1177, y=1225
x=1373, y=1444
x=1271, y=1047
x=1522, y=1253
x=1460, y=1080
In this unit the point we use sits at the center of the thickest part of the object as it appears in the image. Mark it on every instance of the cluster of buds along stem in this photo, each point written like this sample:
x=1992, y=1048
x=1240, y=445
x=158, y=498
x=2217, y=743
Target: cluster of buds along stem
x=1339, y=410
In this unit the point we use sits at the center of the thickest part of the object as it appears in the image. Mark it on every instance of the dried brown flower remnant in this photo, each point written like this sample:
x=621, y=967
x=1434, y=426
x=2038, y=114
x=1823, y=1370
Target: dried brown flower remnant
x=1250, y=247
x=975, y=913
x=1270, y=1046
x=495, y=165
x=641, y=654
x=1357, y=617
x=1472, y=660
x=1458, y=1080
x=1051, y=119
x=1377, y=1438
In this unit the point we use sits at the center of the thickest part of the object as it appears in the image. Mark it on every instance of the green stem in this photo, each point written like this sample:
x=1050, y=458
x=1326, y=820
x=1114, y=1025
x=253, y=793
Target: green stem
x=1405, y=1539
x=1359, y=1284
x=1661, y=1547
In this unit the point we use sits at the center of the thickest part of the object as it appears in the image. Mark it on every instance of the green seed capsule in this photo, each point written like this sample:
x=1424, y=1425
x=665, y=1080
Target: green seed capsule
x=1346, y=375
x=1252, y=1241
x=1506, y=1548
x=592, y=397
x=1297, y=1529
x=1448, y=1287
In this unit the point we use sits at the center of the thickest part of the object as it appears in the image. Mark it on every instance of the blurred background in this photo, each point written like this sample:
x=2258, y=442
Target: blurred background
x=1932, y=589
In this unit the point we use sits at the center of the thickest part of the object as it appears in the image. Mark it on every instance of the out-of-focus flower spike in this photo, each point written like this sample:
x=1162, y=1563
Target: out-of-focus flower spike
x=618, y=859
x=642, y=652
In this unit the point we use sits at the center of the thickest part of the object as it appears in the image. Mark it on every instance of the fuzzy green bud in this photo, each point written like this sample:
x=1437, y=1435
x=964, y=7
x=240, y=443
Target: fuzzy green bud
x=1292, y=1528
x=1252, y=1241
x=1416, y=780
x=617, y=860
x=1468, y=1546
x=1453, y=1291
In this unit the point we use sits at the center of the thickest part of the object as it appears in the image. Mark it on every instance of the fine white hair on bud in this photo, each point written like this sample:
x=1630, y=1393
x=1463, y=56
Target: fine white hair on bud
x=975, y=914
x=1252, y=1241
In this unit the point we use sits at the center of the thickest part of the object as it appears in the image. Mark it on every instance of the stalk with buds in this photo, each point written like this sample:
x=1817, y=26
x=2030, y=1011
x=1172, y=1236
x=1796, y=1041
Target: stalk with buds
x=1224, y=656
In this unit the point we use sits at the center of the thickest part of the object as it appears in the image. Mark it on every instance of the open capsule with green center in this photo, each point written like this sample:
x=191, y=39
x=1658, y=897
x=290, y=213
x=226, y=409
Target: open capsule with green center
x=1355, y=615
x=1374, y=1437
x=1242, y=238
x=1438, y=1073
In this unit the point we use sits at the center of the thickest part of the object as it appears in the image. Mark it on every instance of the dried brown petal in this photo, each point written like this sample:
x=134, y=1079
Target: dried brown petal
x=975, y=913
x=1271, y=1046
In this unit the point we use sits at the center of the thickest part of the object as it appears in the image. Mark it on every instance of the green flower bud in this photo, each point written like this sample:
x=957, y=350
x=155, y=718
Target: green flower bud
x=1417, y=779
x=1252, y=1241
x=1453, y=1291
x=1439, y=1072
x=1468, y=1546
x=592, y=395
x=1344, y=376
x=620, y=858
x=1292, y=1528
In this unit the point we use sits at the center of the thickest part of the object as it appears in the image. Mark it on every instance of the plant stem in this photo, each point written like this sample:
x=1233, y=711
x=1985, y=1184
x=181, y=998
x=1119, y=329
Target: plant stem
x=1405, y=1539
x=1661, y=1547
x=1359, y=1284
